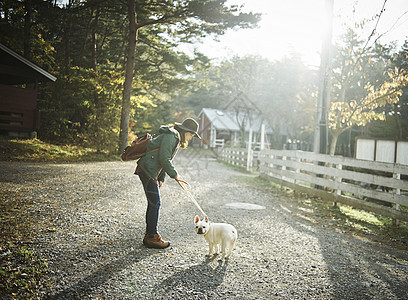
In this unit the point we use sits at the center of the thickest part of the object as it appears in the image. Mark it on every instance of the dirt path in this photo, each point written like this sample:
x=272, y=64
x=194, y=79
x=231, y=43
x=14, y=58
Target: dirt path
x=88, y=222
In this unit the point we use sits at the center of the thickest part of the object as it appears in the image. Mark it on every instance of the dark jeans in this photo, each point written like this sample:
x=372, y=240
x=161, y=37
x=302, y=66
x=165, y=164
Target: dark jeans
x=151, y=188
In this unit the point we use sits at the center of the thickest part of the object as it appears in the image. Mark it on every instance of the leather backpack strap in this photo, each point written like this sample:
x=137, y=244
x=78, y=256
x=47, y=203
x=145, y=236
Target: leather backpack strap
x=152, y=151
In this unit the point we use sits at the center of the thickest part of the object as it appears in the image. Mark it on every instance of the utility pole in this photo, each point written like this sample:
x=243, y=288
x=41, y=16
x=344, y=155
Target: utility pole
x=320, y=141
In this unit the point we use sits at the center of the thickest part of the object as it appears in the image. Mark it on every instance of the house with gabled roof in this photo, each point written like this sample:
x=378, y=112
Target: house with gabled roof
x=19, y=78
x=224, y=127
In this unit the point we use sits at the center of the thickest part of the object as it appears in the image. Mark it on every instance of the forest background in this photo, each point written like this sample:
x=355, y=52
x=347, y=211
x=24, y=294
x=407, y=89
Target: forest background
x=119, y=63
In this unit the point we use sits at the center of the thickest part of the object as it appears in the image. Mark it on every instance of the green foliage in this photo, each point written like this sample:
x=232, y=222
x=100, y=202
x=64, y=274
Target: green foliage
x=20, y=272
x=85, y=109
x=277, y=89
x=366, y=83
x=35, y=150
x=21, y=269
x=84, y=44
x=187, y=21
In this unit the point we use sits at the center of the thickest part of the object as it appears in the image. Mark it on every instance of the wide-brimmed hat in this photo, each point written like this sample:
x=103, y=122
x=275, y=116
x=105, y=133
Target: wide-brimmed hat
x=189, y=125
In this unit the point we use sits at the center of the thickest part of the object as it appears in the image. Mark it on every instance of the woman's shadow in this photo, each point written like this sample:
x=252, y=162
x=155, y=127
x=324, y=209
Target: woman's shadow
x=101, y=274
x=201, y=279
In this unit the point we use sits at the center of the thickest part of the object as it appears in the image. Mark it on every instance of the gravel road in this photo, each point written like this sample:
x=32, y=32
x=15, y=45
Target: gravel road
x=90, y=224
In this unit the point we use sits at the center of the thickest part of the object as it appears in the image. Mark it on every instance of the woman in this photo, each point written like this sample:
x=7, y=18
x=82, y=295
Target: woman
x=153, y=167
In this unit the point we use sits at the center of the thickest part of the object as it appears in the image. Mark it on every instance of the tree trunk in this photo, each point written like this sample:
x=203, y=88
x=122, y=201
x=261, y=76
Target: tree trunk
x=27, y=29
x=129, y=71
x=335, y=135
x=93, y=41
x=97, y=109
x=349, y=143
x=333, y=143
x=397, y=122
x=321, y=129
x=67, y=36
x=86, y=31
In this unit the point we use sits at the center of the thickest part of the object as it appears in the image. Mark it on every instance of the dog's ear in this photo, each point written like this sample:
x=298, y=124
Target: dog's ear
x=206, y=219
x=196, y=219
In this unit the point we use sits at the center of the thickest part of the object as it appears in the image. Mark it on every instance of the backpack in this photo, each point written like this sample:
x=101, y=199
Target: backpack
x=138, y=148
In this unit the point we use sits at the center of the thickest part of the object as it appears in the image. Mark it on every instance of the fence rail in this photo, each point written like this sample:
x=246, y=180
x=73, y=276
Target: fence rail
x=235, y=156
x=374, y=186
x=219, y=143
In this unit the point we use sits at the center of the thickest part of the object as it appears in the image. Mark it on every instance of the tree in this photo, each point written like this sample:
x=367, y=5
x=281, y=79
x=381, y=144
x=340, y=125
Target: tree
x=180, y=20
x=127, y=86
x=276, y=88
x=398, y=112
x=320, y=134
x=87, y=45
x=364, y=83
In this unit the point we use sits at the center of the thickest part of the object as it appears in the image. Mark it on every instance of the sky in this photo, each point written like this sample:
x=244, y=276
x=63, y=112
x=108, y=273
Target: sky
x=297, y=26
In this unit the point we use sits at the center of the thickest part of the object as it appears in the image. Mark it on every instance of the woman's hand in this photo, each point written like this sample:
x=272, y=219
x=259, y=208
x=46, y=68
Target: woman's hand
x=180, y=180
x=160, y=184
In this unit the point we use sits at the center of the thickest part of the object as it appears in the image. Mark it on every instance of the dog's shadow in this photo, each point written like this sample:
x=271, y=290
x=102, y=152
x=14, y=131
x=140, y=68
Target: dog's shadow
x=201, y=279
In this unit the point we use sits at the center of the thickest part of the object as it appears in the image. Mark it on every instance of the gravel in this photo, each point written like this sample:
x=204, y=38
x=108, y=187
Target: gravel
x=89, y=225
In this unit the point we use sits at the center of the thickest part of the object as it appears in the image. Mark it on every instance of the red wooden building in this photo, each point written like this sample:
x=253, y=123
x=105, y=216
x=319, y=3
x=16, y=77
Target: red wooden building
x=19, y=115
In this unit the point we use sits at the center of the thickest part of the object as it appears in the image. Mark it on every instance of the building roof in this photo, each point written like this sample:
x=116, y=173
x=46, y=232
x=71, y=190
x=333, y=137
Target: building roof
x=15, y=69
x=227, y=120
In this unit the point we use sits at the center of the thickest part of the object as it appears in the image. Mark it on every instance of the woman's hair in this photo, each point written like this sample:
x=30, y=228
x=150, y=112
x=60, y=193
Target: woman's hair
x=183, y=142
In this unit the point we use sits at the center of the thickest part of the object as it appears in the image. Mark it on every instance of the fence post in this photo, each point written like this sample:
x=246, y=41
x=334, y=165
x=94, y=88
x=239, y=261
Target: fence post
x=297, y=164
x=212, y=137
x=272, y=156
x=262, y=137
x=297, y=170
x=284, y=157
x=249, y=154
x=395, y=222
x=338, y=180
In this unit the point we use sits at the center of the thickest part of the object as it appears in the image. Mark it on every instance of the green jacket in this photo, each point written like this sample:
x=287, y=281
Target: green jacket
x=157, y=163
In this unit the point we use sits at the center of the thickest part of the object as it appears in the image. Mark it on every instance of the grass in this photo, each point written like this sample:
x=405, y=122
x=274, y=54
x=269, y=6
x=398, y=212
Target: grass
x=235, y=167
x=363, y=216
x=20, y=272
x=21, y=269
x=35, y=150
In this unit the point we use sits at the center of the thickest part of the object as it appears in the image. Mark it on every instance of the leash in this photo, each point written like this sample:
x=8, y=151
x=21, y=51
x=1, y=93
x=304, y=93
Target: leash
x=186, y=187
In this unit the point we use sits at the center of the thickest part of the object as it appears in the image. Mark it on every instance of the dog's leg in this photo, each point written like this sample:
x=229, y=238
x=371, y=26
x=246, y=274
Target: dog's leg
x=216, y=249
x=210, y=248
x=223, y=246
x=231, y=245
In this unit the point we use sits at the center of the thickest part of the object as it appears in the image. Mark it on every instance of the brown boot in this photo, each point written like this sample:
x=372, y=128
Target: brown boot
x=155, y=242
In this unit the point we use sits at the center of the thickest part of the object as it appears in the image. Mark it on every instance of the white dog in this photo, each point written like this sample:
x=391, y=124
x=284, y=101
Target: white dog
x=216, y=234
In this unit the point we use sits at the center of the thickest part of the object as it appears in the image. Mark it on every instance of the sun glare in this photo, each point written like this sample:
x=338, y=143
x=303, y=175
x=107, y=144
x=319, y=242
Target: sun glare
x=298, y=26
x=286, y=26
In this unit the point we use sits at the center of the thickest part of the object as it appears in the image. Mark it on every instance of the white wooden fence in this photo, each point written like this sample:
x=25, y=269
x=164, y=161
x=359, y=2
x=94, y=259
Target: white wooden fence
x=235, y=156
x=373, y=186
x=219, y=143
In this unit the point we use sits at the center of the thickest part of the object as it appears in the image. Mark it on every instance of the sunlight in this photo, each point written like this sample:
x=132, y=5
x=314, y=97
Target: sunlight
x=297, y=26
x=291, y=26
